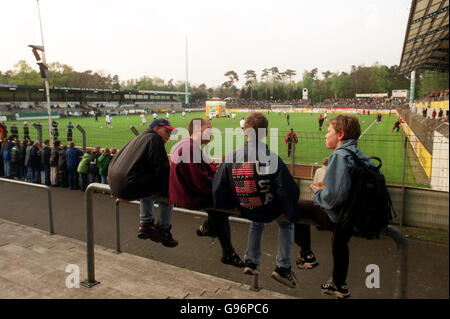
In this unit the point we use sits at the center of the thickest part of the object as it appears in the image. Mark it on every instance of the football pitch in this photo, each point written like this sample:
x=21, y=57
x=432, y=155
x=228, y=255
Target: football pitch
x=376, y=138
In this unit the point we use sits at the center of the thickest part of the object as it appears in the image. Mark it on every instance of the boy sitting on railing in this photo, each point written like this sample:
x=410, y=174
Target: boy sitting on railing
x=255, y=180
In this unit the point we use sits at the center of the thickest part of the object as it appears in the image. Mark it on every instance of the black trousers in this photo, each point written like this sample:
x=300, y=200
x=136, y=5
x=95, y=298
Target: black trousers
x=339, y=239
x=218, y=223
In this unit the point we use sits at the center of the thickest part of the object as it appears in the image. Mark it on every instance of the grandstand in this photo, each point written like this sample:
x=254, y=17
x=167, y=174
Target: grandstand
x=15, y=98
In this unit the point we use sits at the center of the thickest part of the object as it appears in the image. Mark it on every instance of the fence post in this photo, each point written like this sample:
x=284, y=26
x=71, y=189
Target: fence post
x=117, y=228
x=83, y=134
x=90, y=281
x=38, y=128
x=292, y=156
x=133, y=129
x=402, y=209
x=401, y=272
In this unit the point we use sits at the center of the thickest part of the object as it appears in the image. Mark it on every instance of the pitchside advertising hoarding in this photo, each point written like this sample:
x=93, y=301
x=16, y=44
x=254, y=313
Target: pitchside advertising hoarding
x=424, y=157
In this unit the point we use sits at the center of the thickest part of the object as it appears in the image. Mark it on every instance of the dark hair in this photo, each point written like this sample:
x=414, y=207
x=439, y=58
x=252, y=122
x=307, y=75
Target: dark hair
x=348, y=124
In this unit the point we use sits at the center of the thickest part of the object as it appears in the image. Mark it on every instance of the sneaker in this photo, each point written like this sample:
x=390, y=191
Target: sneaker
x=203, y=231
x=284, y=276
x=307, y=262
x=167, y=239
x=233, y=260
x=330, y=288
x=149, y=231
x=251, y=268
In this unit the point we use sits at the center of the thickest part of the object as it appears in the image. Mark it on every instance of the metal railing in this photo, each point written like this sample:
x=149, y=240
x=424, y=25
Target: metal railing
x=401, y=283
x=49, y=197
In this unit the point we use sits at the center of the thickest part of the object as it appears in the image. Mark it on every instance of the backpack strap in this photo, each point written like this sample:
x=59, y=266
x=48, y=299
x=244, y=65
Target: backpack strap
x=359, y=161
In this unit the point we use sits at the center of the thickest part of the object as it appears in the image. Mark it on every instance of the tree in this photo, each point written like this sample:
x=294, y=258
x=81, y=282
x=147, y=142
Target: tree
x=232, y=79
x=265, y=75
x=250, y=75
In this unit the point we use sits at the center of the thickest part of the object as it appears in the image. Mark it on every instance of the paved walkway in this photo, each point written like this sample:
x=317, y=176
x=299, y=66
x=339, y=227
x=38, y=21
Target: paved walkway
x=33, y=265
x=428, y=262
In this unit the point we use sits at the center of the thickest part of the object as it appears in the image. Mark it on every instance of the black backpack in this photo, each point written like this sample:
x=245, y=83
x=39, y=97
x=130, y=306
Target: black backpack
x=93, y=168
x=368, y=210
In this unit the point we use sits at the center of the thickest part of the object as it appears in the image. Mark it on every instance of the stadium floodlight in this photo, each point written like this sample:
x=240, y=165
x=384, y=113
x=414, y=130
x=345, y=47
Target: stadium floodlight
x=37, y=47
x=35, y=51
x=43, y=68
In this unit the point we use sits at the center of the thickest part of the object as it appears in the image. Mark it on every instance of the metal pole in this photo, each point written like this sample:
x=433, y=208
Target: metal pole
x=134, y=130
x=91, y=282
x=83, y=135
x=39, y=130
x=401, y=273
x=117, y=228
x=47, y=86
x=292, y=157
x=404, y=180
x=186, y=86
x=50, y=211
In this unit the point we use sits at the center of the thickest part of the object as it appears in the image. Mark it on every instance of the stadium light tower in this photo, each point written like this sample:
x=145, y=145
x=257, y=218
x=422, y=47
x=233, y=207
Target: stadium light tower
x=43, y=67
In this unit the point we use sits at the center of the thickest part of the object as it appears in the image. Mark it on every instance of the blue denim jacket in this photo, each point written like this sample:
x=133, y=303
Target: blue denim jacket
x=338, y=178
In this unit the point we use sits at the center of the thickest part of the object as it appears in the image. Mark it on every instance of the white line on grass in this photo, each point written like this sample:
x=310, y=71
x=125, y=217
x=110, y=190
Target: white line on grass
x=367, y=128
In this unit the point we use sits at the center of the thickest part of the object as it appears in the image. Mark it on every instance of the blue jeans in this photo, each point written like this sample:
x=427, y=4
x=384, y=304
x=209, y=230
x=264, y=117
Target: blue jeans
x=73, y=178
x=7, y=167
x=84, y=182
x=285, y=238
x=35, y=173
x=164, y=212
x=29, y=173
x=104, y=179
x=47, y=174
x=95, y=178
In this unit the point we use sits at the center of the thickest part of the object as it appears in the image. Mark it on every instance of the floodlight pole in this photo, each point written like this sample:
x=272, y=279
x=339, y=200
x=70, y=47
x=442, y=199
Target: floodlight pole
x=47, y=86
x=186, y=86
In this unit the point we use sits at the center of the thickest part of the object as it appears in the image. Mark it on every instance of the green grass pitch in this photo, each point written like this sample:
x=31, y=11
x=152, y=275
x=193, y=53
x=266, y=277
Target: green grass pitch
x=376, y=140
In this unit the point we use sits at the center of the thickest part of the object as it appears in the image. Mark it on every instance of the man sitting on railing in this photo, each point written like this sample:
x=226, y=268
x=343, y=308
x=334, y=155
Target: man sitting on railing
x=190, y=186
x=140, y=170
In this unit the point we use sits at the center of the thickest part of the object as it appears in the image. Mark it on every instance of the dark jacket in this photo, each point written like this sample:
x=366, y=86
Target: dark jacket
x=45, y=156
x=73, y=158
x=54, y=157
x=257, y=182
x=141, y=168
x=190, y=184
x=93, y=162
x=62, y=163
x=35, y=157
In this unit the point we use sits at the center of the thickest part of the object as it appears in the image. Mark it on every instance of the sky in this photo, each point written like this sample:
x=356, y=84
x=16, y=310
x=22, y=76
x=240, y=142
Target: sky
x=135, y=38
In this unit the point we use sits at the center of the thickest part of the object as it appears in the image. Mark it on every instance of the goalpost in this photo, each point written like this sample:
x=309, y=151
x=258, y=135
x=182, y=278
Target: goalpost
x=281, y=108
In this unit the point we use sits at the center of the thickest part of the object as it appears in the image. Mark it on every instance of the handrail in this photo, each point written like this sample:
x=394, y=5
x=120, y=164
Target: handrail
x=401, y=276
x=49, y=197
x=401, y=273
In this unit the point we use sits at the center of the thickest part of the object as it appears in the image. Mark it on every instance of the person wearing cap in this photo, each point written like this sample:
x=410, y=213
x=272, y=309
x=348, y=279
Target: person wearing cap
x=140, y=171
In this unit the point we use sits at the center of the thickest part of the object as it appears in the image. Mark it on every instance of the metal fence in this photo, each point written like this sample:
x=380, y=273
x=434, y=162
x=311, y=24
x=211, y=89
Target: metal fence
x=415, y=156
x=401, y=271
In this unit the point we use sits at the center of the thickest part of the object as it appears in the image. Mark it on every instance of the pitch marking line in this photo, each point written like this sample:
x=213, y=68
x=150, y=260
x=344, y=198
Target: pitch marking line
x=368, y=128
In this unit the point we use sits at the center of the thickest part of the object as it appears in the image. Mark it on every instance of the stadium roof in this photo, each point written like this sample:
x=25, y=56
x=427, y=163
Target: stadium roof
x=426, y=42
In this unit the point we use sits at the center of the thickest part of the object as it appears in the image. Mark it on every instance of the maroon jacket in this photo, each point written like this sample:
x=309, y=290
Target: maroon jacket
x=190, y=184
